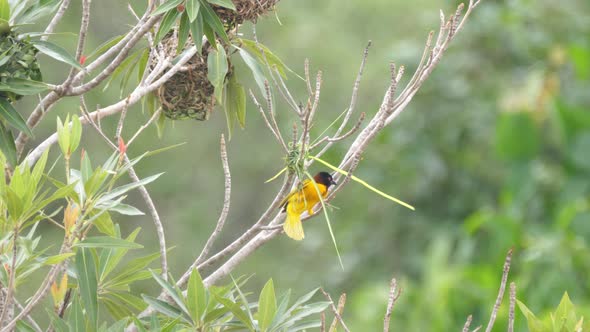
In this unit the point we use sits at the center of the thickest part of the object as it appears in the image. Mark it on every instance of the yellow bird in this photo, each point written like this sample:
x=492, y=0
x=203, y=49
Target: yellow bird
x=303, y=200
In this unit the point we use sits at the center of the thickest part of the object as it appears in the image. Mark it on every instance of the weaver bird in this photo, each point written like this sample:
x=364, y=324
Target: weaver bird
x=304, y=199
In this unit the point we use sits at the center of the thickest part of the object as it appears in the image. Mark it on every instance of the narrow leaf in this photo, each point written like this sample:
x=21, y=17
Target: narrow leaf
x=223, y=3
x=196, y=296
x=192, y=8
x=88, y=284
x=57, y=52
x=217, y=69
x=166, y=6
x=267, y=306
x=107, y=242
x=8, y=113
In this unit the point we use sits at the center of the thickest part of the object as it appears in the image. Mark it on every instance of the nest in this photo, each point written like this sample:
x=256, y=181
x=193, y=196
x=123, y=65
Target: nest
x=246, y=10
x=188, y=94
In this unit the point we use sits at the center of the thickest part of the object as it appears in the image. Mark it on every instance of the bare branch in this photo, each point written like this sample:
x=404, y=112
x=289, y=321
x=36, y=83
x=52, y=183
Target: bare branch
x=467, y=323
x=335, y=310
x=394, y=294
x=512, y=305
x=155, y=217
x=340, y=309
x=224, y=210
x=56, y=18
x=500, y=292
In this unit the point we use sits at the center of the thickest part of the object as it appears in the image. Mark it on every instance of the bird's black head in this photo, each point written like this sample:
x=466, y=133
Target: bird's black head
x=324, y=178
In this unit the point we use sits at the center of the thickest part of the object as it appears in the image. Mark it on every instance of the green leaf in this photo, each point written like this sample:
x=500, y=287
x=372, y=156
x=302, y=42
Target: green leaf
x=217, y=70
x=125, y=188
x=142, y=64
x=235, y=104
x=162, y=307
x=223, y=3
x=107, y=242
x=175, y=294
x=254, y=68
x=127, y=210
x=58, y=324
x=38, y=10
x=4, y=10
x=75, y=315
x=183, y=31
x=52, y=260
x=192, y=9
x=564, y=318
x=197, y=33
x=267, y=306
x=104, y=224
x=88, y=284
x=105, y=46
x=23, y=86
x=208, y=31
x=534, y=324
x=57, y=52
x=8, y=113
x=235, y=309
x=273, y=60
x=63, y=135
x=167, y=23
x=7, y=145
x=213, y=21
x=166, y=6
x=196, y=296
x=76, y=133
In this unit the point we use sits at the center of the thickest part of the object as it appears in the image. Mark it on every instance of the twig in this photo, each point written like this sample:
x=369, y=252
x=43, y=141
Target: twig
x=30, y=319
x=512, y=305
x=7, y=305
x=500, y=292
x=81, y=41
x=144, y=126
x=119, y=129
x=335, y=310
x=393, y=296
x=155, y=218
x=266, y=120
x=341, y=303
x=323, y=322
x=467, y=323
x=56, y=18
x=224, y=210
x=353, y=98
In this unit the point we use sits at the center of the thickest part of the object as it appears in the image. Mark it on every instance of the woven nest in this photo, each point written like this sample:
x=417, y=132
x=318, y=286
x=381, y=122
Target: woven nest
x=188, y=94
x=246, y=10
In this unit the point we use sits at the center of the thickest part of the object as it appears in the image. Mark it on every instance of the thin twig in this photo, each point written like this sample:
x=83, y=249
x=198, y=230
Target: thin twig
x=155, y=218
x=56, y=18
x=7, y=305
x=467, y=323
x=224, y=210
x=340, y=309
x=501, y=291
x=335, y=310
x=323, y=322
x=144, y=126
x=512, y=305
x=394, y=294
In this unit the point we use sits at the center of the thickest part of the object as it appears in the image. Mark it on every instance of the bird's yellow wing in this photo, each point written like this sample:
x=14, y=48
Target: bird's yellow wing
x=286, y=199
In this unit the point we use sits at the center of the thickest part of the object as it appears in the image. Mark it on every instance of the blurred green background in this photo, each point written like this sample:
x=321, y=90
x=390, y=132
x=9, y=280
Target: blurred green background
x=494, y=152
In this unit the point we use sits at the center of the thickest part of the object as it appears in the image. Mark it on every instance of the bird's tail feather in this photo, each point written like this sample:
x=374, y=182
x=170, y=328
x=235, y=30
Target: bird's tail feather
x=293, y=227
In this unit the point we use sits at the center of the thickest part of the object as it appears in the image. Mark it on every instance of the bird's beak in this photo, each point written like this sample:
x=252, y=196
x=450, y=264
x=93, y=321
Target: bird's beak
x=333, y=182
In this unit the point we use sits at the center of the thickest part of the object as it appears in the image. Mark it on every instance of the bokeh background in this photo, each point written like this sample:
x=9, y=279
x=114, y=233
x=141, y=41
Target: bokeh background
x=494, y=152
